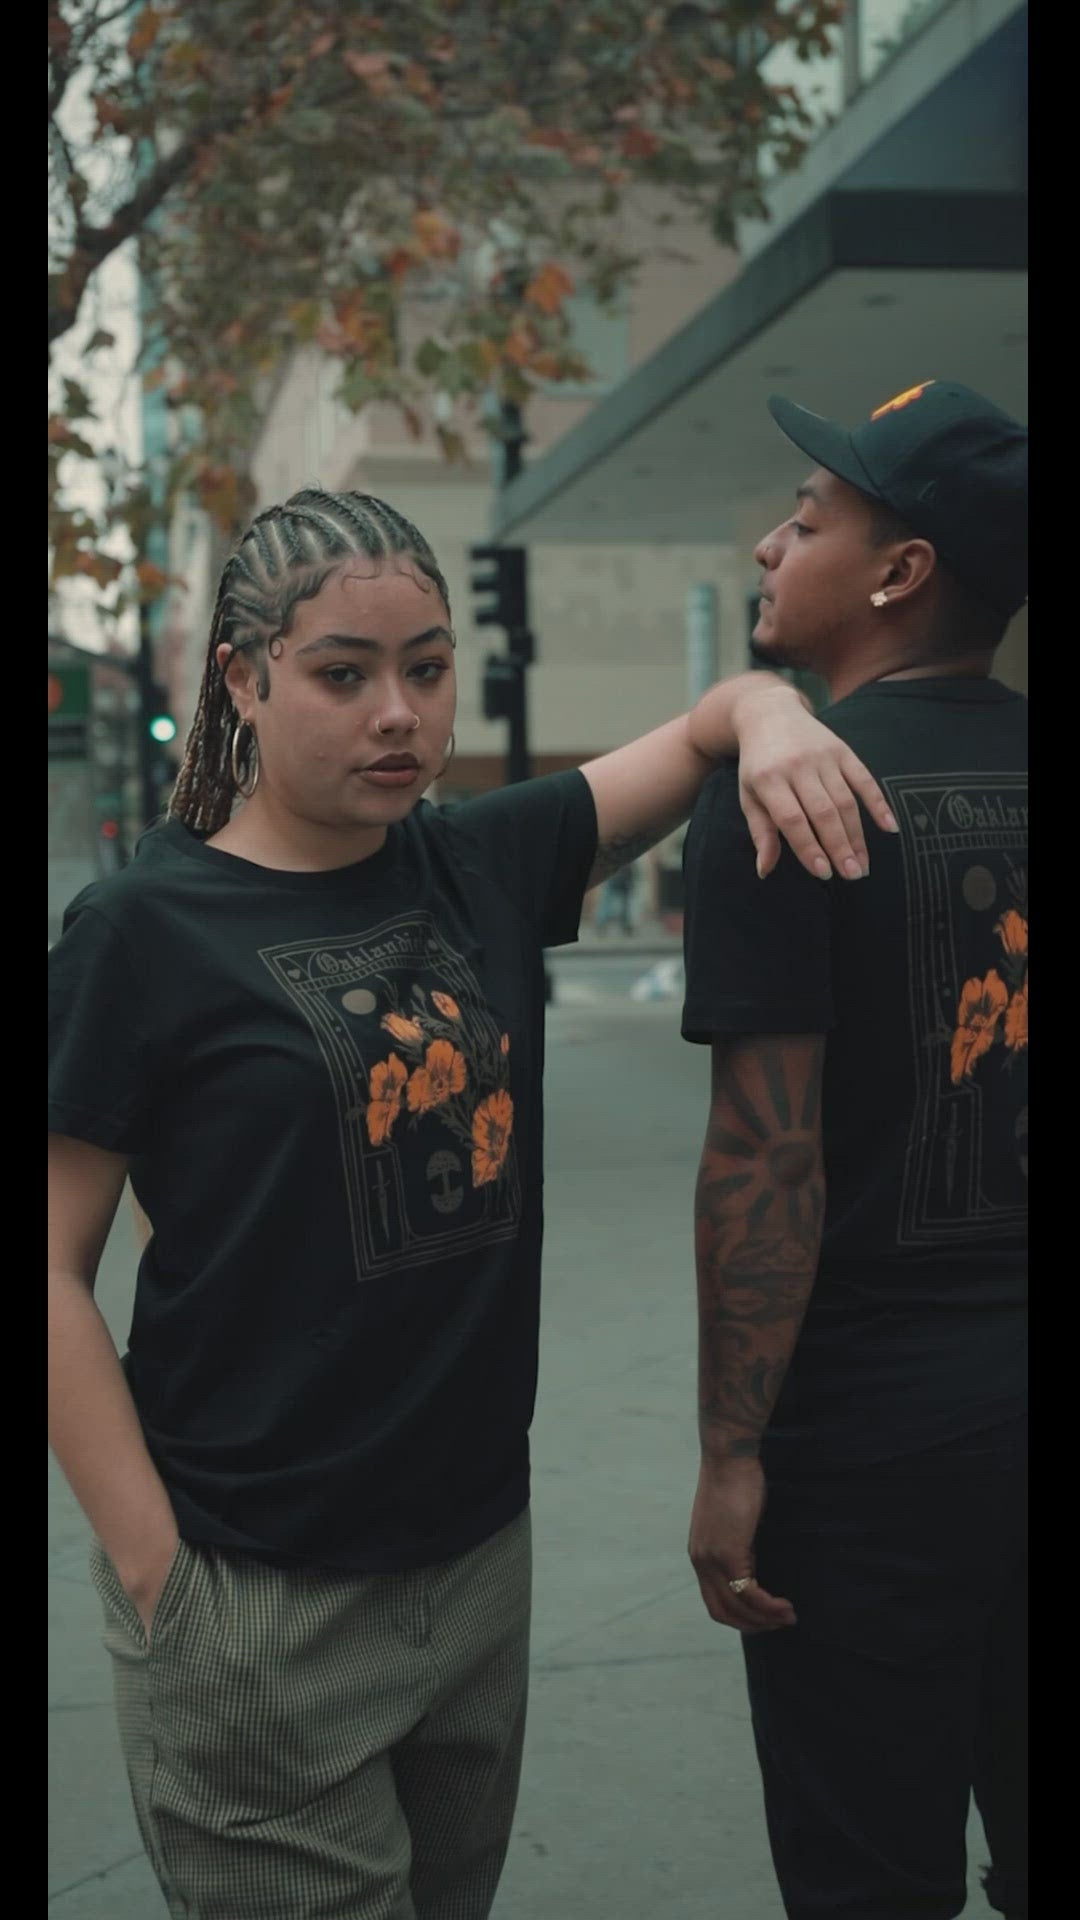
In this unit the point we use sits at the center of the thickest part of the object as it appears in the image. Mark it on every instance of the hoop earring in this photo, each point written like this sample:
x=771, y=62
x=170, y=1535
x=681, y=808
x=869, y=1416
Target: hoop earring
x=450, y=745
x=251, y=754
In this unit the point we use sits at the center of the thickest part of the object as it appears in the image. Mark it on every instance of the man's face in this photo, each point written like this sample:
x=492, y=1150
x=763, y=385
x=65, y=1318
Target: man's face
x=820, y=568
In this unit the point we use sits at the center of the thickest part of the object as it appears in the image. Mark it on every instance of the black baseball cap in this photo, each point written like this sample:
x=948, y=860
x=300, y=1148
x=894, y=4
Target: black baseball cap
x=951, y=464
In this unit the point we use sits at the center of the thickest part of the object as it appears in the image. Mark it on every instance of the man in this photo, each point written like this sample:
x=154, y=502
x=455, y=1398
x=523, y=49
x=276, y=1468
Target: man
x=861, y=1201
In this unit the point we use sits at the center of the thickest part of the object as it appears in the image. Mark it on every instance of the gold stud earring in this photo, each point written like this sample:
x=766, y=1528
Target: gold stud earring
x=880, y=598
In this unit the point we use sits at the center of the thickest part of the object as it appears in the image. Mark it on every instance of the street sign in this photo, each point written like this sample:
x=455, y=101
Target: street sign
x=69, y=712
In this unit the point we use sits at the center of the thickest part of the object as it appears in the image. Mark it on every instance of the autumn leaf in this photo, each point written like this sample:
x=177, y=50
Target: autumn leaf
x=366, y=66
x=322, y=43
x=144, y=33
x=549, y=287
x=109, y=112
x=521, y=344
x=436, y=237
x=547, y=365
x=553, y=137
x=64, y=437
x=101, y=567
x=153, y=579
x=639, y=144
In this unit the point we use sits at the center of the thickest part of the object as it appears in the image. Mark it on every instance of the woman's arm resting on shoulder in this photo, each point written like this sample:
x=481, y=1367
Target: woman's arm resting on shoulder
x=93, y=1427
x=796, y=778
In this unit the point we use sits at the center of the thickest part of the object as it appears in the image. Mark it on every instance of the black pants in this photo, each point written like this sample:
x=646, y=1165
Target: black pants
x=903, y=1688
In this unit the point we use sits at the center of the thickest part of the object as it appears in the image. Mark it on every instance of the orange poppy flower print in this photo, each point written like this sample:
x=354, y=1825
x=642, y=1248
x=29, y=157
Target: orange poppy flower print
x=982, y=1004
x=447, y=1006
x=493, y=1123
x=442, y=1074
x=404, y=1030
x=387, y=1085
x=1016, y=1020
x=1012, y=931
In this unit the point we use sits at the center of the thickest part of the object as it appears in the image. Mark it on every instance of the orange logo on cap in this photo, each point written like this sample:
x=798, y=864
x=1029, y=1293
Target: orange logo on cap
x=902, y=400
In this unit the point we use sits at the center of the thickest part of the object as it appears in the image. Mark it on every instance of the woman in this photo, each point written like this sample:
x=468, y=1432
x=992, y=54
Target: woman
x=311, y=1032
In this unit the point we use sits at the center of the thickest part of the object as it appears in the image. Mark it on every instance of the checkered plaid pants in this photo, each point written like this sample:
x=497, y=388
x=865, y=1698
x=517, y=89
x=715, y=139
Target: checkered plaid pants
x=311, y=1745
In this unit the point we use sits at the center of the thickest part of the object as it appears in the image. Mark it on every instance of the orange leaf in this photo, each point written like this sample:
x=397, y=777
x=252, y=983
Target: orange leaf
x=521, y=344
x=397, y=264
x=549, y=287
x=438, y=239
x=144, y=33
x=366, y=66
x=419, y=82
x=547, y=365
x=101, y=567
x=638, y=143
x=322, y=44
x=151, y=577
x=109, y=114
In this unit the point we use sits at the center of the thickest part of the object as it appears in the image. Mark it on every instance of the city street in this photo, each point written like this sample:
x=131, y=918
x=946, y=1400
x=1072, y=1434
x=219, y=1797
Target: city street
x=640, y=1797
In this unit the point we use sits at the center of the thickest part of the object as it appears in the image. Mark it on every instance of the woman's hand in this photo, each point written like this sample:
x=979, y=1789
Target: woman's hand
x=144, y=1585
x=798, y=779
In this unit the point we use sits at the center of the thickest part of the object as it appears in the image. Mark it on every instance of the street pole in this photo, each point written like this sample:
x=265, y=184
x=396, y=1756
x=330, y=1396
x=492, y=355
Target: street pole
x=148, y=752
x=510, y=461
x=702, y=640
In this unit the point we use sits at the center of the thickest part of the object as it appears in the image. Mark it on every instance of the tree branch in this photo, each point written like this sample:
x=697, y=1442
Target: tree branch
x=92, y=245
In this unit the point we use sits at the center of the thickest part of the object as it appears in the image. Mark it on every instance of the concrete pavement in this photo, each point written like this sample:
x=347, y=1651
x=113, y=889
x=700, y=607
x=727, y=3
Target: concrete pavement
x=639, y=1796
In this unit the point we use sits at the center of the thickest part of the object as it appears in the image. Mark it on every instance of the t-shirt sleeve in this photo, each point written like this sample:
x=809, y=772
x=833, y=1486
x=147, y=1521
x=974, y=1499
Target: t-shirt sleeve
x=99, y=1054
x=537, y=840
x=757, y=951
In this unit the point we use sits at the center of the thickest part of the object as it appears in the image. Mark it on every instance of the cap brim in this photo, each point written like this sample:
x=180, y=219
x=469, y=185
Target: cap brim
x=829, y=445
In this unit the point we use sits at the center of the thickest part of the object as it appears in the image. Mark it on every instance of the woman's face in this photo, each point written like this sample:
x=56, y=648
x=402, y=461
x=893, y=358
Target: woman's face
x=361, y=698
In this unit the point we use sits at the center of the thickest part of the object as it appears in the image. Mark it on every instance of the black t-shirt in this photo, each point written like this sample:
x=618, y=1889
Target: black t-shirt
x=329, y=1085
x=918, y=975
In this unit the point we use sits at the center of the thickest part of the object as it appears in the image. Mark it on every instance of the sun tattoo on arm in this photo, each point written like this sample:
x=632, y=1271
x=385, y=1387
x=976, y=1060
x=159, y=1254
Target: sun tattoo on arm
x=759, y=1209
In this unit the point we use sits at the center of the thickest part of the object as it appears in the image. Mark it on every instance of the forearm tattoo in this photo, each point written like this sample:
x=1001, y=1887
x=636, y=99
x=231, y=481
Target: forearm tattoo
x=759, y=1207
x=619, y=851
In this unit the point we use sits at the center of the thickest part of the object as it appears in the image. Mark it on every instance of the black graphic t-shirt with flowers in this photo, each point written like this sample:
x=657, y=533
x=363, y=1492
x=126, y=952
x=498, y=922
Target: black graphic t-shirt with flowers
x=329, y=1087
x=916, y=1331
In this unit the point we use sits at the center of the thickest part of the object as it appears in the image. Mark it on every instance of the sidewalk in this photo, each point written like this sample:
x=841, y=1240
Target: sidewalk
x=649, y=937
x=639, y=1797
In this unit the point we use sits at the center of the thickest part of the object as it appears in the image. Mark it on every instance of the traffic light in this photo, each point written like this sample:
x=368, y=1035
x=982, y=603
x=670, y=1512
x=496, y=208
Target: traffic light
x=503, y=687
x=160, y=724
x=506, y=605
x=505, y=579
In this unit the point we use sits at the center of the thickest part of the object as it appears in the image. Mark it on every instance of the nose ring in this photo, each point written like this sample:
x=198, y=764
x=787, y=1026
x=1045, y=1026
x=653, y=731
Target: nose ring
x=380, y=729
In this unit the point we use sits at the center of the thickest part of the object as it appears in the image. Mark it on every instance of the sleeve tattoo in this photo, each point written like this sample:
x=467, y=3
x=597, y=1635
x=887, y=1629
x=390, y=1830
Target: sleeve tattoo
x=759, y=1207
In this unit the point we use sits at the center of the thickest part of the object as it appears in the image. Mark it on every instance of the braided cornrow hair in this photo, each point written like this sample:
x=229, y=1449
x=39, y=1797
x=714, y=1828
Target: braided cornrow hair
x=286, y=555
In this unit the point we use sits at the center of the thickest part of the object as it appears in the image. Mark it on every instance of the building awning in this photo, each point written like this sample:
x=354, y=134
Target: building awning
x=867, y=293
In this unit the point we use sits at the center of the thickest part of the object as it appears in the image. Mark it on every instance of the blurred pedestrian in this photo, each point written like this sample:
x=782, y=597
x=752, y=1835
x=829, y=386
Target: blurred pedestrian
x=310, y=1031
x=861, y=1214
x=615, y=902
